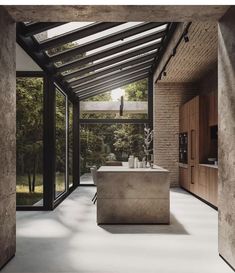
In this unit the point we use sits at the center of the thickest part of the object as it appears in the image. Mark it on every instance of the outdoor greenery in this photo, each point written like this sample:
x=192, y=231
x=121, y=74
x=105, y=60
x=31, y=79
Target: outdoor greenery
x=29, y=135
x=99, y=141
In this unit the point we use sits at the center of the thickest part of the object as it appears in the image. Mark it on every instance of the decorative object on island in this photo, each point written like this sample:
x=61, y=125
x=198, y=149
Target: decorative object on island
x=148, y=138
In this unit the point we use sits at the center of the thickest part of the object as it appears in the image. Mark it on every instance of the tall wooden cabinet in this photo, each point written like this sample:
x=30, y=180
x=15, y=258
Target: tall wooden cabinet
x=193, y=132
x=196, y=117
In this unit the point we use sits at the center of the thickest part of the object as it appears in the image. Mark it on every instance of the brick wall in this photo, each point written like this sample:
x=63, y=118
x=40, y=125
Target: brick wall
x=168, y=97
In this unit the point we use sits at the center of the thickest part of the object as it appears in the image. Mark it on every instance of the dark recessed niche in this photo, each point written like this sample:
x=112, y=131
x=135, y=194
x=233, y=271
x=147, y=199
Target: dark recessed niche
x=214, y=132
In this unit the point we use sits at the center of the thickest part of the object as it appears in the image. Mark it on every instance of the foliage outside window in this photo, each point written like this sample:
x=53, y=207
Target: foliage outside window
x=115, y=142
x=134, y=92
x=29, y=141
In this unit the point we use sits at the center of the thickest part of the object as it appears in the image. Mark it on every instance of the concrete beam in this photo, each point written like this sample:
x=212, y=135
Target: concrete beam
x=116, y=13
x=136, y=107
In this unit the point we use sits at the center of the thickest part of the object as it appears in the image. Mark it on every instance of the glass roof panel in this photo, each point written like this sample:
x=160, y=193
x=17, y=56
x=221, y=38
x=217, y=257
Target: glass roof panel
x=99, y=35
x=62, y=29
x=148, y=32
x=128, y=50
x=111, y=31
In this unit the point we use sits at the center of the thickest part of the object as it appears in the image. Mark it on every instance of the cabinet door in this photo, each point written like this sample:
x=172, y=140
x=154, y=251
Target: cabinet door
x=213, y=186
x=193, y=143
x=203, y=182
x=183, y=177
x=213, y=109
x=183, y=118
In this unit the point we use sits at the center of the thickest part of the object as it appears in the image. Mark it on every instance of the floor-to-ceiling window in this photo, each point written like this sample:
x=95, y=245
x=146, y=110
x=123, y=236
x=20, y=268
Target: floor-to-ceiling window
x=29, y=140
x=33, y=186
x=70, y=143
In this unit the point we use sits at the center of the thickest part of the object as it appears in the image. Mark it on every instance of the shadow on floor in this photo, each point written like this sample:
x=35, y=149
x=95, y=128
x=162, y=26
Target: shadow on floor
x=174, y=228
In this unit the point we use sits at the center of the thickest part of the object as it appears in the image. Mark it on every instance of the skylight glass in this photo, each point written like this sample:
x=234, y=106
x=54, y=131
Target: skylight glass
x=62, y=29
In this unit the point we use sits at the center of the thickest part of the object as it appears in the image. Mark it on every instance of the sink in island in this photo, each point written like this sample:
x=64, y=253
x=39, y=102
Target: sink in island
x=133, y=196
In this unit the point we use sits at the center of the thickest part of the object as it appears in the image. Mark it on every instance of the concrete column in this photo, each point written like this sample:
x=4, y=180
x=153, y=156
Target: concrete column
x=7, y=137
x=226, y=98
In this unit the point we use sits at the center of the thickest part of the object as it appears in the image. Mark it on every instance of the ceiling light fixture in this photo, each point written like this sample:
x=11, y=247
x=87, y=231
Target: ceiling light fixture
x=186, y=38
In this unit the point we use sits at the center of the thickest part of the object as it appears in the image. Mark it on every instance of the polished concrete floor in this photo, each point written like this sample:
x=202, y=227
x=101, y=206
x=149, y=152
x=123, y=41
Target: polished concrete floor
x=68, y=240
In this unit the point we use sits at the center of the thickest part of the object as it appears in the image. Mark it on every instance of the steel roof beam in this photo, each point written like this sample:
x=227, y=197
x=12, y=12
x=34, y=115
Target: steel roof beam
x=126, y=33
x=110, y=76
x=116, y=59
x=109, y=62
x=77, y=34
x=110, y=69
x=110, y=87
x=35, y=28
x=112, y=50
x=108, y=83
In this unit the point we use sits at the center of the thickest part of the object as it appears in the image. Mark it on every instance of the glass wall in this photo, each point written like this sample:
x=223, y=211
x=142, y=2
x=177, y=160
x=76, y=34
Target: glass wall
x=61, y=143
x=29, y=141
x=70, y=143
x=102, y=143
x=111, y=143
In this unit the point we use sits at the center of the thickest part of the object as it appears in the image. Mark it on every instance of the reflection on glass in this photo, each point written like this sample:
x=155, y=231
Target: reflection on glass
x=107, y=105
x=70, y=144
x=102, y=143
x=29, y=141
x=61, y=143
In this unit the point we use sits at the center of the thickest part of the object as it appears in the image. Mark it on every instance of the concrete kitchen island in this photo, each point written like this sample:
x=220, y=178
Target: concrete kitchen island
x=133, y=196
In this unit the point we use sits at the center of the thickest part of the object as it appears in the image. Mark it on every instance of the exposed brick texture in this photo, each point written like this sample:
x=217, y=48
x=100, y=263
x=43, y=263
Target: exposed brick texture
x=195, y=58
x=168, y=97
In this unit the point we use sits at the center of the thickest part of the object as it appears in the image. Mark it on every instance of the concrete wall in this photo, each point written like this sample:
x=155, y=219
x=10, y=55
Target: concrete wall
x=7, y=138
x=226, y=130
x=168, y=97
x=209, y=83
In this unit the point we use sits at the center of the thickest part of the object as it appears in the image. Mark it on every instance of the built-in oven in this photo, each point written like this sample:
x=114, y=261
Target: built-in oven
x=183, y=148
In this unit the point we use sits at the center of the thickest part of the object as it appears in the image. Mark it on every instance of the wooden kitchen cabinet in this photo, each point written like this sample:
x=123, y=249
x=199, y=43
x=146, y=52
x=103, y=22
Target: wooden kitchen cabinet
x=202, y=182
x=193, y=106
x=183, y=177
x=213, y=186
x=183, y=118
x=196, y=119
x=208, y=184
x=213, y=109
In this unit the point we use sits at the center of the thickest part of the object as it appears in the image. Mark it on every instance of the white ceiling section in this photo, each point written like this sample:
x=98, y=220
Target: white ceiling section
x=24, y=62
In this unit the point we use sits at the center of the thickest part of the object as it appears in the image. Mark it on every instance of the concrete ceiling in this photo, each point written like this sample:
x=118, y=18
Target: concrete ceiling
x=111, y=13
x=195, y=58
